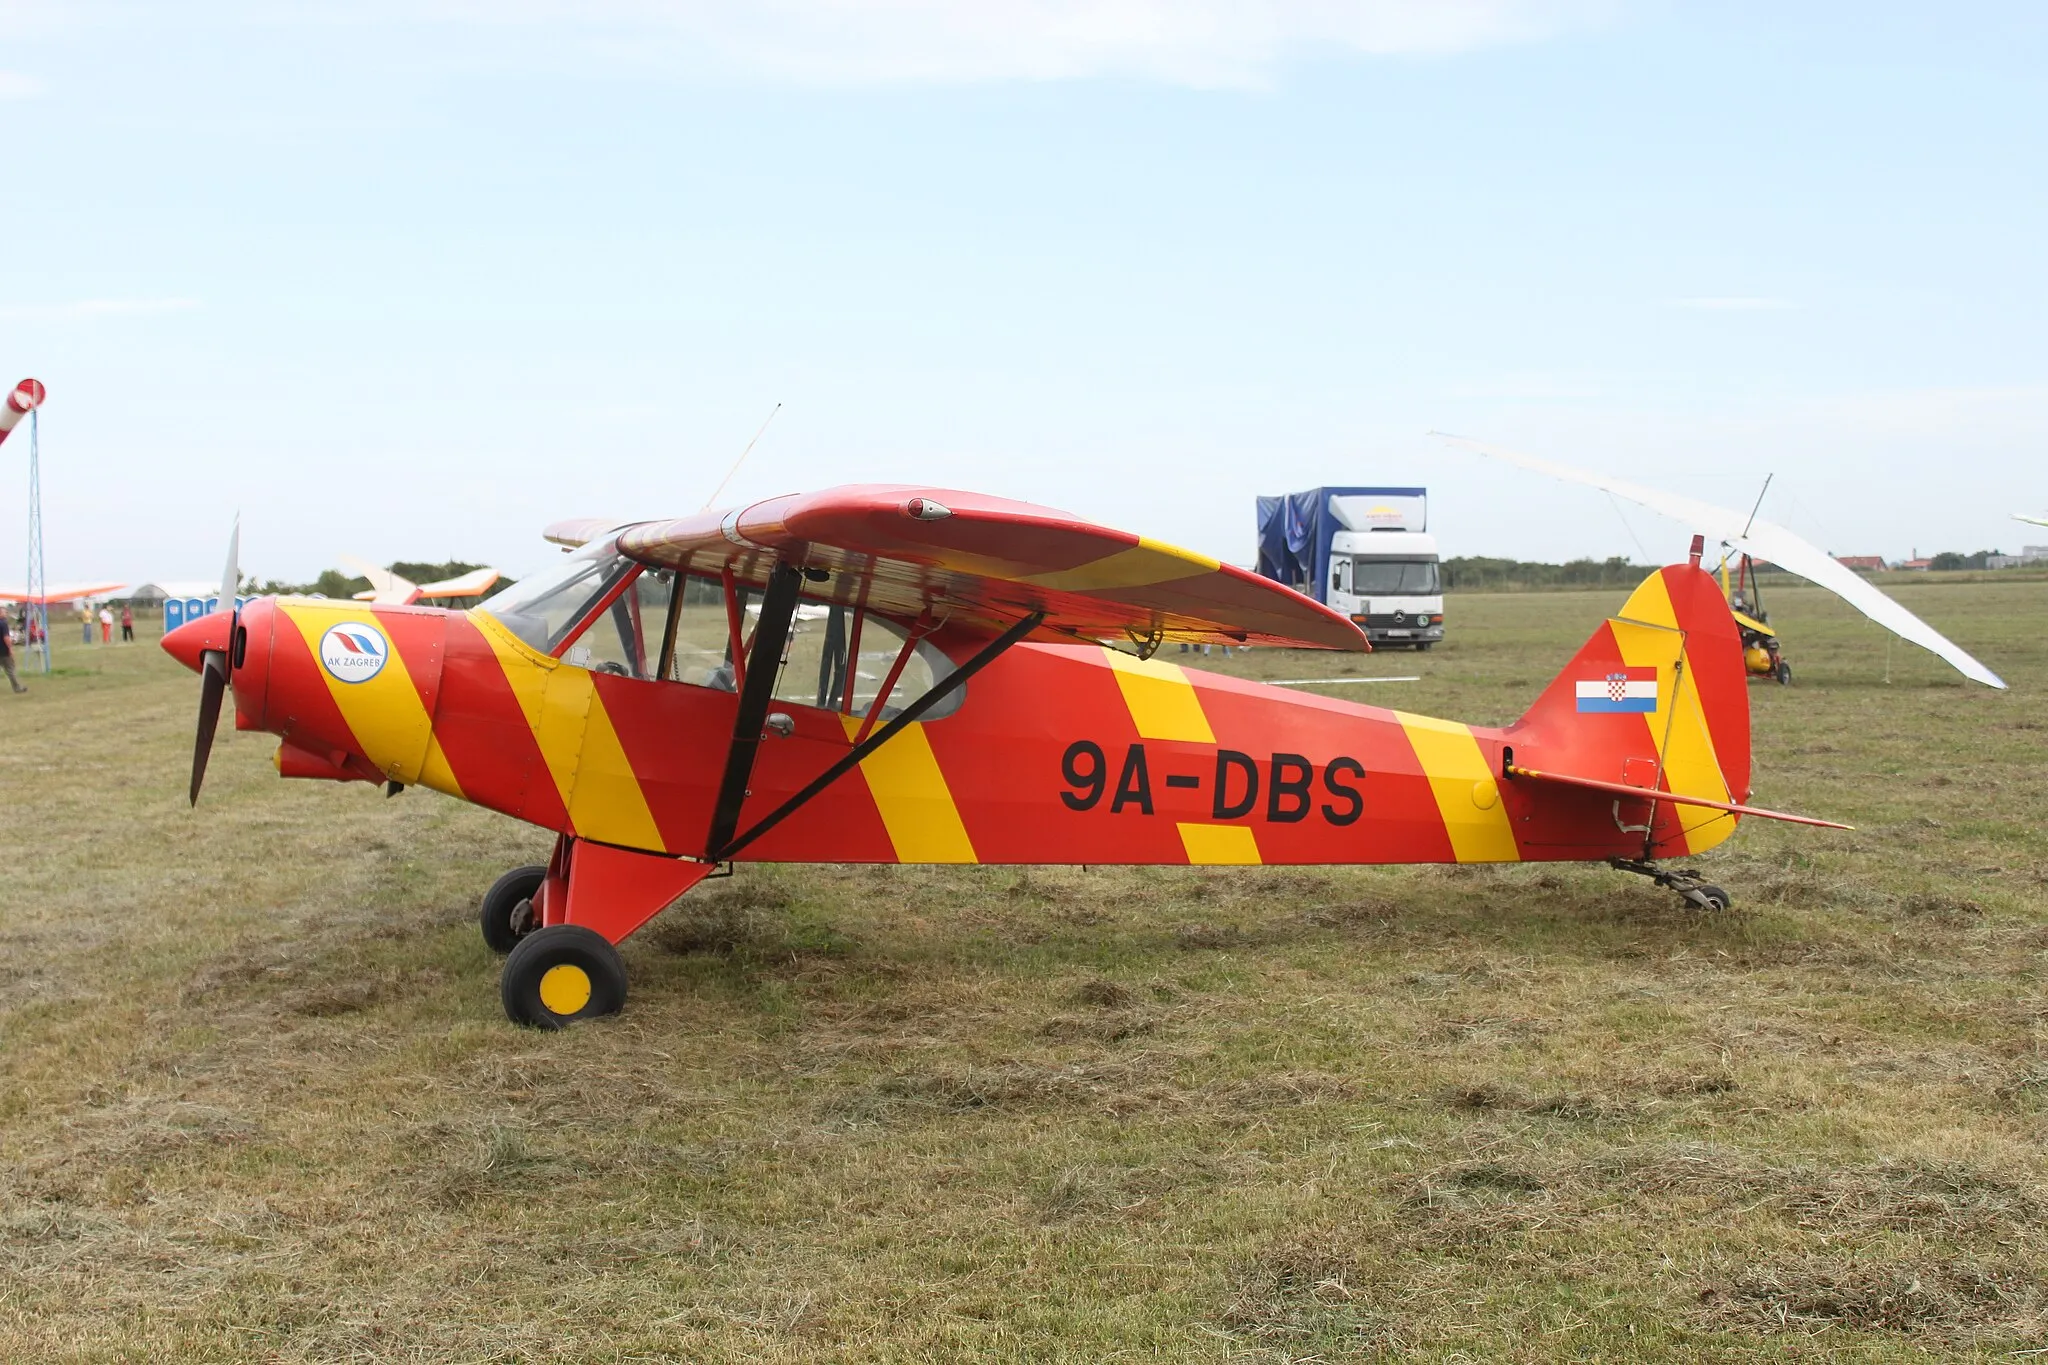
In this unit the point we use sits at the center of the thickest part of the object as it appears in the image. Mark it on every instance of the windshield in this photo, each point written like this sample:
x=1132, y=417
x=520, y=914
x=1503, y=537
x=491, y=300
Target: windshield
x=1394, y=578
x=543, y=608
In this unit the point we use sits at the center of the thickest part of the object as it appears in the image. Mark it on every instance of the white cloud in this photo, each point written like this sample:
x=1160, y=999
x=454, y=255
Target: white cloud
x=15, y=86
x=79, y=309
x=1182, y=42
x=1734, y=304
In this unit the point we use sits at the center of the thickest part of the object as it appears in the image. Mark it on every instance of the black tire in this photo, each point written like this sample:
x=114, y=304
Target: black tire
x=560, y=974
x=1716, y=899
x=497, y=917
x=1784, y=673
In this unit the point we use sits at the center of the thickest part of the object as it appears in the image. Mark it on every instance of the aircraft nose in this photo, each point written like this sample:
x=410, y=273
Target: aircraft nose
x=194, y=638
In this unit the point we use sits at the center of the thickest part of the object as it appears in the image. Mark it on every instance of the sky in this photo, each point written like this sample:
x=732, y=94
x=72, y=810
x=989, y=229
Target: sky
x=411, y=281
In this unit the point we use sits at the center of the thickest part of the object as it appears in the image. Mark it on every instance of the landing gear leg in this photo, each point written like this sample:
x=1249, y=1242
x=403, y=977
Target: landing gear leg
x=1693, y=889
x=589, y=897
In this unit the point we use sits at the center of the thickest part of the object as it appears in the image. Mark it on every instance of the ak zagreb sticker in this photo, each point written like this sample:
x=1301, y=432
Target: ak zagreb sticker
x=354, y=652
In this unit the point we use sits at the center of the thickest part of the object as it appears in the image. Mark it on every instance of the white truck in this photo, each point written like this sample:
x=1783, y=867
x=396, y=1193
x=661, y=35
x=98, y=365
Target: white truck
x=1365, y=552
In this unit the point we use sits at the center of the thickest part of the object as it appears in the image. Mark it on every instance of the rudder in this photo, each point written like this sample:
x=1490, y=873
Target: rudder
x=1657, y=698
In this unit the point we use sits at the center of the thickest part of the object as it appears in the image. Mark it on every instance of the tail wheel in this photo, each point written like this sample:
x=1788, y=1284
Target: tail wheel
x=506, y=915
x=562, y=973
x=1708, y=897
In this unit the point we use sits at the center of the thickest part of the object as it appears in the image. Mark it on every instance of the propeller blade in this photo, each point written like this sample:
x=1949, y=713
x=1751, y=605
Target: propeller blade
x=230, y=584
x=213, y=685
x=231, y=576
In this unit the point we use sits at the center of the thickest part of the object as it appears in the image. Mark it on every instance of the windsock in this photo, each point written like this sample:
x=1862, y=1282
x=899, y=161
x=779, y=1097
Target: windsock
x=26, y=398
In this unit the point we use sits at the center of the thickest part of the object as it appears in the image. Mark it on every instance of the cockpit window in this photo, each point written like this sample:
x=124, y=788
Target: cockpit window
x=823, y=651
x=544, y=609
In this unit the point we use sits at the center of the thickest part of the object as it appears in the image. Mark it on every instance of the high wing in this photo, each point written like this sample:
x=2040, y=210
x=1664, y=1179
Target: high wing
x=2031, y=521
x=1764, y=540
x=985, y=562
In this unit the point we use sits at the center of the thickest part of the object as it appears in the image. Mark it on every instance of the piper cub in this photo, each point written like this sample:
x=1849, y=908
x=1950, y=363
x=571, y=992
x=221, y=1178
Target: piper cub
x=879, y=674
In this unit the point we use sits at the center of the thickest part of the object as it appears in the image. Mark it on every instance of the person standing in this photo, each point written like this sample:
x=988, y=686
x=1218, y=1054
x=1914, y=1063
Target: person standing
x=106, y=625
x=85, y=624
x=127, y=624
x=7, y=651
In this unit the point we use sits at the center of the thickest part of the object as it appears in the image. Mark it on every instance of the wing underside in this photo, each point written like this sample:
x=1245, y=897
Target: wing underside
x=984, y=563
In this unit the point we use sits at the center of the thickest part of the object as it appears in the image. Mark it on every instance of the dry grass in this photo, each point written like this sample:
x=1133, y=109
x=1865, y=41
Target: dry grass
x=257, y=1101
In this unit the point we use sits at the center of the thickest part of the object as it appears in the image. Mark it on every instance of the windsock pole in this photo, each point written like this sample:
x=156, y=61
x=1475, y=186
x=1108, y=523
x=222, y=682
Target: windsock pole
x=27, y=397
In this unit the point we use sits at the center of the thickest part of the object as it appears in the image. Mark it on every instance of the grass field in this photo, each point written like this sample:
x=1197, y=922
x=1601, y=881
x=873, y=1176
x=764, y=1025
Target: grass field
x=260, y=1102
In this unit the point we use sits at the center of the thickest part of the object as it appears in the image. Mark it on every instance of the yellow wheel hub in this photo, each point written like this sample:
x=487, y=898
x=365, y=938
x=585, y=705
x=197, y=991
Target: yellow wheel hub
x=565, y=989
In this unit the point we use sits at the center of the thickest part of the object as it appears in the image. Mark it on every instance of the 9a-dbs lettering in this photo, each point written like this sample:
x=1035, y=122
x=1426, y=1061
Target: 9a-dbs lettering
x=1293, y=788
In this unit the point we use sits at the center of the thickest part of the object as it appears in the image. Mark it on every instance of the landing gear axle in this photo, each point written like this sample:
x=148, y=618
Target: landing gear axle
x=1694, y=889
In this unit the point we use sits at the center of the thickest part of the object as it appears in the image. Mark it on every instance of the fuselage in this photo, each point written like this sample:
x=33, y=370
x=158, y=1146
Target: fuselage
x=1054, y=754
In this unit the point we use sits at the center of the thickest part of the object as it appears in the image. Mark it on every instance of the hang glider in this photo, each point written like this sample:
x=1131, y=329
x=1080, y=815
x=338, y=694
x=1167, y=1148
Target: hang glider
x=982, y=562
x=1762, y=540
x=2031, y=521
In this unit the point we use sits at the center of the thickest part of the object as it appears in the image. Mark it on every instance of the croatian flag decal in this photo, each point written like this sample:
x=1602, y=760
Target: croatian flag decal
x=1625, y=689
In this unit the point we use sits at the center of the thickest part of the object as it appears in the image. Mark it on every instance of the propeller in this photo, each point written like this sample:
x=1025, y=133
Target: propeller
x=213, y=666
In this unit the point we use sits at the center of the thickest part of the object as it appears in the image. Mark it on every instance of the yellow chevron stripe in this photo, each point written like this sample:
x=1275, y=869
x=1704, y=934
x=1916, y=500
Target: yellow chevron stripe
x=1678, y=726
x=1147, y=562
x=1466, y=795
x=1163, y=702
x=384, y=713
x=576, y=738
x=916, y=805
x=528, y=673
x=608, y=804
x=1220, y=845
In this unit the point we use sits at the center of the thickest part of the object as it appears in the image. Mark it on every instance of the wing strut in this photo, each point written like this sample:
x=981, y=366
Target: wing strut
x=778, y=609
x=944, y=688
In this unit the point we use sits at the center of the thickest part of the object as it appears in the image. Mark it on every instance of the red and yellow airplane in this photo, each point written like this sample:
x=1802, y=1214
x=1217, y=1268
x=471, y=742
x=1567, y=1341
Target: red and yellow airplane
x=907, y=675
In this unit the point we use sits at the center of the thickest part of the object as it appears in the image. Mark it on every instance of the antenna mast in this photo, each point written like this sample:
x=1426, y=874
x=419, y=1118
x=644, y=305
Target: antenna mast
x=740, y=461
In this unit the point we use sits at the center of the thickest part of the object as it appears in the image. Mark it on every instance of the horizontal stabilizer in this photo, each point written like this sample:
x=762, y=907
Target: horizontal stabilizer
x=1645, y=794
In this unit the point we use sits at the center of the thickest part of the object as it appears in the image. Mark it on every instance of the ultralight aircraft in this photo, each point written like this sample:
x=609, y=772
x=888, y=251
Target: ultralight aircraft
x=881, y=674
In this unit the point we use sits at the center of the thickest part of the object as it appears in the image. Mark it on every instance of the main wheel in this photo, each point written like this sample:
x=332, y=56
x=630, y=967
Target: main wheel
x=1709, y=897
x=560, y=974
x=502, y=917
x=1784, y=673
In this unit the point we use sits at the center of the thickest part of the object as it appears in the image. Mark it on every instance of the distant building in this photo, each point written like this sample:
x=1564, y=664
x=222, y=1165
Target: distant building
x=1862, y=563
x=1921, y=564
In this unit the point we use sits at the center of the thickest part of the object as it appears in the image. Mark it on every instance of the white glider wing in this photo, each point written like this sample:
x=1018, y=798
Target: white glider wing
x=475, y=583
x=386, y=587
x=1765, y=540
x=2031, y=521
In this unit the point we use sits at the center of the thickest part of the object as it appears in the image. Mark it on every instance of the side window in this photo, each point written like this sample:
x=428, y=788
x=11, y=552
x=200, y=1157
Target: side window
x=823, y=649
x=703, y=653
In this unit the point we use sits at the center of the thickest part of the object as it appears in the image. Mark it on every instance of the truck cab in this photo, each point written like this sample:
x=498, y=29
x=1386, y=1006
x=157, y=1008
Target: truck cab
x=1389, y=583
x=1365, y=552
